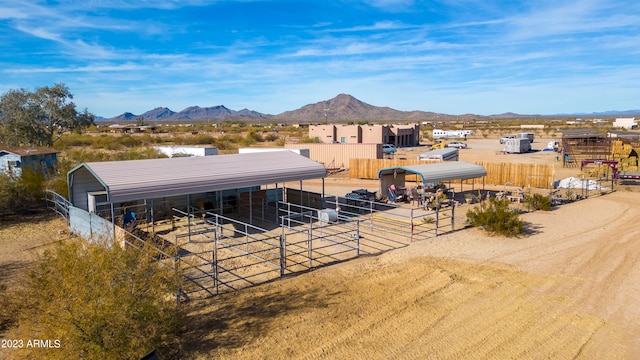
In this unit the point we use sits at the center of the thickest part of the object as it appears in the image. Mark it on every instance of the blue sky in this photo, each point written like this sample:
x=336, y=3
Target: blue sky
x=450, y=56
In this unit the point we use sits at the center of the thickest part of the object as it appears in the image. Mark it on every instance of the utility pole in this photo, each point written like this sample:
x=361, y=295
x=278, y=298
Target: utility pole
x=326, y=114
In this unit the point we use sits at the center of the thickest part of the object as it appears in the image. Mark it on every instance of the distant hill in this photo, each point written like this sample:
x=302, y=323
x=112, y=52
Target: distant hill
x=126, y=117
x=195, y=113
x=159, y=113
x=342, y=108
x=347, y=108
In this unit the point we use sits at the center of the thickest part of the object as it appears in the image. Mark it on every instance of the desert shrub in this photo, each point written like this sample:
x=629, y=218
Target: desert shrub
x=307, y=140
x=254, y=136
x=138, y=154
x=130, y=141
x=106, y=142
x=538, y=202
x=495, y=216
x=229, y=142
x=21, y=193
x=271, y=137
x=73, y=139
x=98, y=302
x=199, y=139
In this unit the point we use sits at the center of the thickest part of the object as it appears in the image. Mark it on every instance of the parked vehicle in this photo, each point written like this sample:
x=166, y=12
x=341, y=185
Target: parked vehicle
x=389, y=149
x=457, y=145
x=362, y=194
x=505, y=138
x=439, y=145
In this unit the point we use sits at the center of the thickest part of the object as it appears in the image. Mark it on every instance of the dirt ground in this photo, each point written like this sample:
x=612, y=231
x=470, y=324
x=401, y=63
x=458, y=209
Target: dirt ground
x=568, y=290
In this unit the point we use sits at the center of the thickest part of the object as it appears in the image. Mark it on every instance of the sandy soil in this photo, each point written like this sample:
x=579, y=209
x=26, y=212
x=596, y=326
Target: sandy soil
x=569, y=290
x=21, y=242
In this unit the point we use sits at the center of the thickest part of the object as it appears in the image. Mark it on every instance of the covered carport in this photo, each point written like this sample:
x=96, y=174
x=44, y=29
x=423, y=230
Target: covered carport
x=430, y=174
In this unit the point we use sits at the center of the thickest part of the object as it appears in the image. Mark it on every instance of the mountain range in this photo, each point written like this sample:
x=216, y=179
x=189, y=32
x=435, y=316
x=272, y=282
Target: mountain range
x=341, y=108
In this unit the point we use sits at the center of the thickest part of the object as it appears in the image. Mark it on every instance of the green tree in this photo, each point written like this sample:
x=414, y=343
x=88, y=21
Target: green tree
x=39, y=118
x=98, y=301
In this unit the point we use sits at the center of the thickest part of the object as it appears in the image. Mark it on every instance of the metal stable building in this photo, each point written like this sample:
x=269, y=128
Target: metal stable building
x=106, y=188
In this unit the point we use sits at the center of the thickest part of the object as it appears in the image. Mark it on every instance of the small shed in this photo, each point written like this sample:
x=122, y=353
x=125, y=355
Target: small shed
x=430, y=173
x=38, y=159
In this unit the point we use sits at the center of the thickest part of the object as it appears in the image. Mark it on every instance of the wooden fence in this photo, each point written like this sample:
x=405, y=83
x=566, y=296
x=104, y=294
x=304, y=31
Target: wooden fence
x=516, y=174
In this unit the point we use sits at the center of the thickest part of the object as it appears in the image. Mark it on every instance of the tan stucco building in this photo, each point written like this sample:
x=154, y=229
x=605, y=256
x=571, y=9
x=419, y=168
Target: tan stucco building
x=399, y=135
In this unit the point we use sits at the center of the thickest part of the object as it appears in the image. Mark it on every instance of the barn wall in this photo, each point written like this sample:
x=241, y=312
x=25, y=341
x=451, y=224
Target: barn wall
x=304, y=198
x=82, y=182
x=41, y=163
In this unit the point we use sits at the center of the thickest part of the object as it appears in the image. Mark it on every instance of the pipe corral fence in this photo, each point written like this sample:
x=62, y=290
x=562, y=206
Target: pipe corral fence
x=218, y=253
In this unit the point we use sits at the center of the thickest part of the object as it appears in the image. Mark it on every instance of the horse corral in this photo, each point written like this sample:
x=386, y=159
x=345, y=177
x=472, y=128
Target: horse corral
x=217, y=253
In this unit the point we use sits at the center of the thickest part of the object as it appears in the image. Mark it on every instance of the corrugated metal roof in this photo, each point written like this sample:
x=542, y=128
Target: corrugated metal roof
x=154, y=178
x=435, y=173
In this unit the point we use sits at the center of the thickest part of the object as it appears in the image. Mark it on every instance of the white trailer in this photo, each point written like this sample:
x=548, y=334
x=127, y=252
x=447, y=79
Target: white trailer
x=517, y=146
x=445, y=154
x=450, y=134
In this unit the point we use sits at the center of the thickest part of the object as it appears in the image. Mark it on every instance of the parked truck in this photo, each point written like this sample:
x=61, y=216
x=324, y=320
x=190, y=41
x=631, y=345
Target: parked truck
x=517, y=146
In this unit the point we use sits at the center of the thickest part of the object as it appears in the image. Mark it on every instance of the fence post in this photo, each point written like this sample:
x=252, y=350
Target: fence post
x=283, y=252
x=411, y=222
x=437, y=216
x=358, y=237
x=176, y=269
x=309, y=248
x=453, y=212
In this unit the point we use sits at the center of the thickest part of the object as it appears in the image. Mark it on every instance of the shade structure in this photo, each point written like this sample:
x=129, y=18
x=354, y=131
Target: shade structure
x=435, y=173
